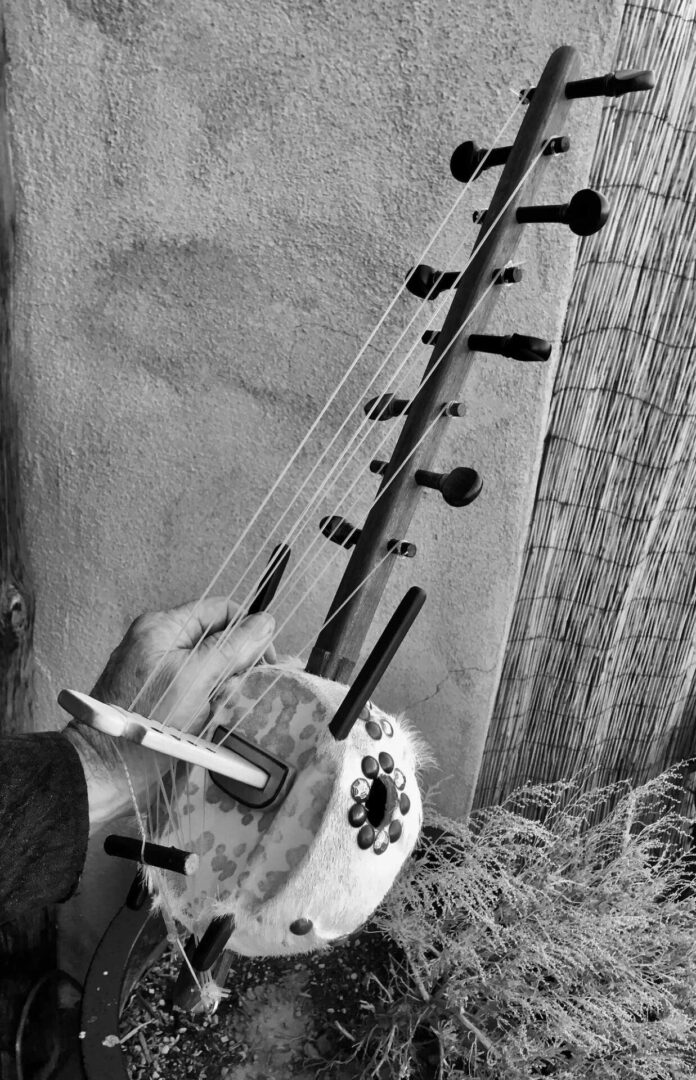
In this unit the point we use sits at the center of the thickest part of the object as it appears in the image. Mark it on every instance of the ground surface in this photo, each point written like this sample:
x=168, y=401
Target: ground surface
x=283, y=1018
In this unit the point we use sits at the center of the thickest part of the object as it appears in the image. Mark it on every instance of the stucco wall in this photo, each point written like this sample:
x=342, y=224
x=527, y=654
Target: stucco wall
x=216, y=200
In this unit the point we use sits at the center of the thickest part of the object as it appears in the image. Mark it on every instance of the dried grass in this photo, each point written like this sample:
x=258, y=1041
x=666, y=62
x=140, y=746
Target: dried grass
x=544, y=948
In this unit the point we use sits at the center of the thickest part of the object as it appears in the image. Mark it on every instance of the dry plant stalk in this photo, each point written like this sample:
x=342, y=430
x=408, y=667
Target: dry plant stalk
x=556, y=947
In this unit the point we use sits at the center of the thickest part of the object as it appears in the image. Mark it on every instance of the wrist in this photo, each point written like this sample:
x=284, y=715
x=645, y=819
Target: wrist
x=108, y=791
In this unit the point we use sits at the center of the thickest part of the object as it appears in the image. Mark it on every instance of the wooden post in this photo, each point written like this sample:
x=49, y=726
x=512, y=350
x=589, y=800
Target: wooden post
x=27, y=946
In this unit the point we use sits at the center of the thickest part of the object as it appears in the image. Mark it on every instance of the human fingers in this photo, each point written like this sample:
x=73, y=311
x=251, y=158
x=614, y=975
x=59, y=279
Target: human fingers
x=202, y=618
x=246, y=643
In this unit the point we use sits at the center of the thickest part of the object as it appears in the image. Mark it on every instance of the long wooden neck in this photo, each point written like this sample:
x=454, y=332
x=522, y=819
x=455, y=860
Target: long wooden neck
x=339, y=643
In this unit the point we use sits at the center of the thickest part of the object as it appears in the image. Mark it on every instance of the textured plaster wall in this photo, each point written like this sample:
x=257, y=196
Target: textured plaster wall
x=216, y=201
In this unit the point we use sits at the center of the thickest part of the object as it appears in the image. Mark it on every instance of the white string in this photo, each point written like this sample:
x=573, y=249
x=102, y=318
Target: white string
x=316, y=422
x=225, y=634
x=512, y=195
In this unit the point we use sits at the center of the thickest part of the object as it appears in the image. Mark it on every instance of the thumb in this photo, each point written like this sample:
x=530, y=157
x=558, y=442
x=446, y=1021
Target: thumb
x=246, y=643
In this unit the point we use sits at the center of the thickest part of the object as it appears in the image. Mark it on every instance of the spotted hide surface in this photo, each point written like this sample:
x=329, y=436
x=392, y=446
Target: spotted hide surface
x=299, y=875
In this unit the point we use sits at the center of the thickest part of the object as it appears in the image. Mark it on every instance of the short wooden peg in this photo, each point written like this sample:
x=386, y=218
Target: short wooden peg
x=166, y=858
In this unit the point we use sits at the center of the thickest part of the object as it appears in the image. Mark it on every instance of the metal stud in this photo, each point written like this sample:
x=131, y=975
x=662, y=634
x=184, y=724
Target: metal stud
x=360, y=789
x=301, y=926
x=381, y=842
x=373, y=729
x=386, y=761
x=366, y=837
x=357, y=815
x=370, y=767
x=395, y=830
x=404, y=803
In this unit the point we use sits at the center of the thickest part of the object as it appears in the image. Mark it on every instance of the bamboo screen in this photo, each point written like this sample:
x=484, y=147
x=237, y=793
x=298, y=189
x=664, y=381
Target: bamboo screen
x=599, y=673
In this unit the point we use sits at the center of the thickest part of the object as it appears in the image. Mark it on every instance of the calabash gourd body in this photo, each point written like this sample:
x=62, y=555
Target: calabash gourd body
x=298, y=876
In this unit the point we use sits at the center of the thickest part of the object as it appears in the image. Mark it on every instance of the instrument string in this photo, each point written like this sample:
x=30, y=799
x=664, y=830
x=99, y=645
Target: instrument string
x=225, y=634
x=339, y=466
x=322, y=413
x=425, y=379
x=172, y=816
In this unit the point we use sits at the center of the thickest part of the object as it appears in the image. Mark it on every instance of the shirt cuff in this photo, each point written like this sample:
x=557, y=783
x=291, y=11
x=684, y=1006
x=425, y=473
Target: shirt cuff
x=45, y=819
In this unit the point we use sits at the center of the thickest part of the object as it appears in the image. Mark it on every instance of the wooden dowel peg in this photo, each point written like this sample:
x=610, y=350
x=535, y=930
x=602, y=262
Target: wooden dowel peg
x=585, y=214
x=427, y=284
x=270, y=581
x=377, y=663
x=514, y=346
x=402, y=548
x=213, y=942
x=340, y=531
x=458, y=487
x=453, y=408
x=137, y=894
x=378, y=467
x=429, y=337
x=468, y=157
x=166, y=858
x=386, y=407
x=615, y=84
x=507, y=275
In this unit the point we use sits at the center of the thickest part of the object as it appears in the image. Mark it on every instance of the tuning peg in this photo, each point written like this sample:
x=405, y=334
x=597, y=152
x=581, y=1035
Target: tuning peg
x=386, y=407
x=585, y=214
x=270, y=581
x=339, y=531
x=213, y=942
x=507, y=275
x=458, y=487
x=403, y=548
x=516, y=346
x=373, y=669
x=468, y=157
x=427, y=284
x=615, y=84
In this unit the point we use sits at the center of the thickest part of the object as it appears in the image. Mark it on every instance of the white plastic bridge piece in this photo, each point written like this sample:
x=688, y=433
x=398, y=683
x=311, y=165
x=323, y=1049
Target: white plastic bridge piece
x=121, y=724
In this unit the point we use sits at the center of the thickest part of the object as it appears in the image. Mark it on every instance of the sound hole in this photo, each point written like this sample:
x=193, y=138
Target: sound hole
x=376, y=803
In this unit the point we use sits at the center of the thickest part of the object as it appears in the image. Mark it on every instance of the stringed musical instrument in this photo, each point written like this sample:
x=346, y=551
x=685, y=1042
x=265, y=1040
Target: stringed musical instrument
x=300, y=801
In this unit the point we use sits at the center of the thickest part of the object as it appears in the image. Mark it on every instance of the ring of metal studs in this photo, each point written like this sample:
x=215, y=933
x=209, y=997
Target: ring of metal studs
x=382, y=767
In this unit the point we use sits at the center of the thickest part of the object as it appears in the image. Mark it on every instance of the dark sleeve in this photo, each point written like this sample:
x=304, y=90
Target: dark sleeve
x=44, y=821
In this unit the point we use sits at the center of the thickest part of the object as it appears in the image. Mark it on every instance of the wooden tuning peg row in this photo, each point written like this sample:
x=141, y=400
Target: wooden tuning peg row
x=585, y=214
x=427, y=284
x=386, y=407
x=339, y=531
x=458, y=487
x=615, y=84
x=514, y=346
x=468, y=157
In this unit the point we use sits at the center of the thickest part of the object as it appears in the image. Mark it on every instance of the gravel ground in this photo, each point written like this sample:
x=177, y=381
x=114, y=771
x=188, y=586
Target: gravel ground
x=282, y=1019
